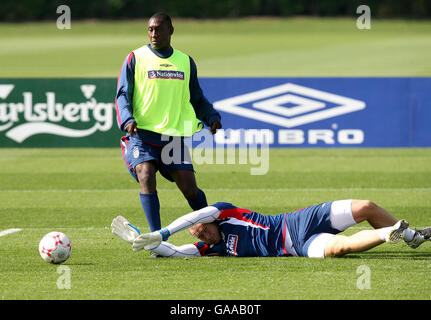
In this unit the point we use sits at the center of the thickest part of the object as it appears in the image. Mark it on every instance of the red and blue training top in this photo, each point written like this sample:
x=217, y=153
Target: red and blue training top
x=250, y=234
x=247, y=234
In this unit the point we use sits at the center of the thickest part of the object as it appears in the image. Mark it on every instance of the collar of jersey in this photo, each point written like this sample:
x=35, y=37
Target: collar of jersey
x=163, y=53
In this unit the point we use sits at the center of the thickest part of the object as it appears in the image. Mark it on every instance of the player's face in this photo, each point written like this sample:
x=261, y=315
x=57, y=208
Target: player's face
x=207, y=232
x=159, y=33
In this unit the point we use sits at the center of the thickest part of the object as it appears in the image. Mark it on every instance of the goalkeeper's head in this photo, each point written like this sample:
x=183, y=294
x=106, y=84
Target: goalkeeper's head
x=206, y=232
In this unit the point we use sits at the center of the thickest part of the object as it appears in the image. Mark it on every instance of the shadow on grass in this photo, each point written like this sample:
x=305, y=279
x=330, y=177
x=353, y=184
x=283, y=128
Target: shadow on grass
x=390, y=255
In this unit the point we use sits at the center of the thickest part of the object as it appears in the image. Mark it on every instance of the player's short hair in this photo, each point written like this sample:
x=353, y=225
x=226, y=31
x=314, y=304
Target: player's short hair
x=163, y=16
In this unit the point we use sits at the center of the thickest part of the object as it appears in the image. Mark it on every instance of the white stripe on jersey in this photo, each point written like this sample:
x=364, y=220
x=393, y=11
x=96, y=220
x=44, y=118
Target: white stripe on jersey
x=244, y=223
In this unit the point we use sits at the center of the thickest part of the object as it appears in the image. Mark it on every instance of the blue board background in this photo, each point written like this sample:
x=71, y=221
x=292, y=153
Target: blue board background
x=397, y=112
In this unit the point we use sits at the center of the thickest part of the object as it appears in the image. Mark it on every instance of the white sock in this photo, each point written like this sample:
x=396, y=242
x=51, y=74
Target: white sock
x=409, y=235
x=383, y=232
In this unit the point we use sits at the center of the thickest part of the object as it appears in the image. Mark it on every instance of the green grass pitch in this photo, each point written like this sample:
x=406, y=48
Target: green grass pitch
x=224, y=48
x=80, y=191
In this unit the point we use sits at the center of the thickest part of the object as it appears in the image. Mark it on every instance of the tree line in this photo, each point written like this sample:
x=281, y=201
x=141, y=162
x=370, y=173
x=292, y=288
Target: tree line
x=34, y=10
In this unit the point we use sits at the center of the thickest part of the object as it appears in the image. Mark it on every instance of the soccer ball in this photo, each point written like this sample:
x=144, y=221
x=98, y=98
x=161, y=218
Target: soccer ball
x=55, y=247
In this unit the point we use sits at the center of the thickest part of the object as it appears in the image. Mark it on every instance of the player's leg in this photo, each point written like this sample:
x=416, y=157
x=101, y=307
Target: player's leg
x=346, y=213
x=377, y=217
x=340, y=245
x=141, y=159
x=418, y=237
x=179, y=168
x=340, y=215
x=318, y=226
x=146, y=173
x=186, y=182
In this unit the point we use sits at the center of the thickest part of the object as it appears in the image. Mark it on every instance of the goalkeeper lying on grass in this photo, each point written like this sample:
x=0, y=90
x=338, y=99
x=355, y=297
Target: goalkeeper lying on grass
x=309, y=232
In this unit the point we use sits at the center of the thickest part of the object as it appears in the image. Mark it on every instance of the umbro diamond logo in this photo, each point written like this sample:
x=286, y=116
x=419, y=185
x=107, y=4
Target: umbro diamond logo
x=309, y=105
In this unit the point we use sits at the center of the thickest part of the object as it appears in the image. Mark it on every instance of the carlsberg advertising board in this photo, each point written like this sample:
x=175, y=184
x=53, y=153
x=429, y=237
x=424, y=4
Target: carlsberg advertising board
x=58, y=113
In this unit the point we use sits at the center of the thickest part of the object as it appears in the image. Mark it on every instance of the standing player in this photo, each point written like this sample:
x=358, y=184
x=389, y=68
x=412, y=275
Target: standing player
x=310, y=232
x=159, y=102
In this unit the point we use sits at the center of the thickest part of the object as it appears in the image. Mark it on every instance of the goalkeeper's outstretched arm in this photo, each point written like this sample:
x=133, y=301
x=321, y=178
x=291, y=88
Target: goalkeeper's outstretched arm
x=204, y=215
x=165, y=249
x=151, y=241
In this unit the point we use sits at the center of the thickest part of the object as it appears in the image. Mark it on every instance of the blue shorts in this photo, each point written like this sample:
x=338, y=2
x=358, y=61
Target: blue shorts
x=170, y=157
x=306, y=224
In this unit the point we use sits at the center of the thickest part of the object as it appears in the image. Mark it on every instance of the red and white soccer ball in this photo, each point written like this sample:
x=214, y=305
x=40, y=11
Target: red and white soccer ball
x=55, y=247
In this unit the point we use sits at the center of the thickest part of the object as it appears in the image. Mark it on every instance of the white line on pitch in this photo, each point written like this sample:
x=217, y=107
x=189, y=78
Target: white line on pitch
x=9, y=231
